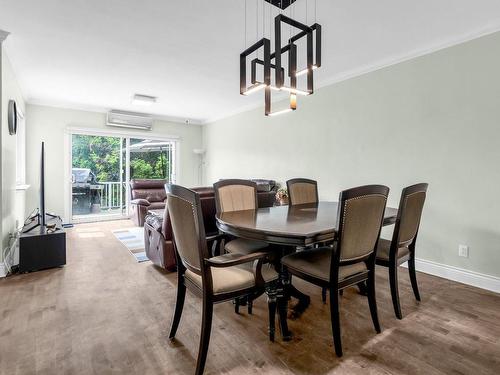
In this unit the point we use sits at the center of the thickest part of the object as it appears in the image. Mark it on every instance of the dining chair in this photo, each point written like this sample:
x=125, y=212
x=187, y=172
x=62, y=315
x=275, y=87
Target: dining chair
x=214, y=279
x=302, y=191
x=351, y=259
x=393, y=253
x=237, y=195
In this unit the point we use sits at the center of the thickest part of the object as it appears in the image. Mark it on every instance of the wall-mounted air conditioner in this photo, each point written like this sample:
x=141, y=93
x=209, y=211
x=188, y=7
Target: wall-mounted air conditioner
x=132, y=120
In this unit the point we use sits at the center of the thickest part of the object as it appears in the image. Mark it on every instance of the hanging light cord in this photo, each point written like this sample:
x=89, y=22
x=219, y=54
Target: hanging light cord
x=245, y=24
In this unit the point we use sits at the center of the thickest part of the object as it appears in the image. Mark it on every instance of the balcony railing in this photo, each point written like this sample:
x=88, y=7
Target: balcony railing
x=111, y=195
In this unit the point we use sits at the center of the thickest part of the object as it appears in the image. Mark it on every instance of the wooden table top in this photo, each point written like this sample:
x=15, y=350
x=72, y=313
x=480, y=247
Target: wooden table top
x=298, y=225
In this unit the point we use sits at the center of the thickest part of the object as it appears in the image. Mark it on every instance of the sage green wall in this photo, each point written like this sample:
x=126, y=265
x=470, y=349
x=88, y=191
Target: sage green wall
x=9, y=198
x=434, y=119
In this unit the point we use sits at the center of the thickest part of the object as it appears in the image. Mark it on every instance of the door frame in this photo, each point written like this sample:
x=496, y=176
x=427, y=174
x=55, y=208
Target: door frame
x=68, y=150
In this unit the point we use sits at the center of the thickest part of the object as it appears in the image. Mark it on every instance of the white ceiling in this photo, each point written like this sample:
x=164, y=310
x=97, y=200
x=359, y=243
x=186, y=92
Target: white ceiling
x=95, y=54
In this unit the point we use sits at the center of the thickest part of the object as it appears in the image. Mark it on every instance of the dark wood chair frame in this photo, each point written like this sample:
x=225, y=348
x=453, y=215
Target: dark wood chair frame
x=394, y=260
x=367, y=276
x=293, y=181
x=248, y=300
x=206, y=292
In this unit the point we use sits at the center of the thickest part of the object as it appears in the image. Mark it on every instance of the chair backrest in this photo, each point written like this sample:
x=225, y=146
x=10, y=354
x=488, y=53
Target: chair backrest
x=409, y=213
x=184, y=209
x=302, y=191
x=150, y=190
x=359, y=221
x=235, y=195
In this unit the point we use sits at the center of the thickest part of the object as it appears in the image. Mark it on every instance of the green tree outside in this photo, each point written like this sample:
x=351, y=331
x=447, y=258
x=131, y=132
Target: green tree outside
x=102, y=156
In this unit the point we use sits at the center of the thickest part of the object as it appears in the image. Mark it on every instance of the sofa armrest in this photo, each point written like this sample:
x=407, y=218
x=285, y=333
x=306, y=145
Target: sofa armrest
x=140, y=202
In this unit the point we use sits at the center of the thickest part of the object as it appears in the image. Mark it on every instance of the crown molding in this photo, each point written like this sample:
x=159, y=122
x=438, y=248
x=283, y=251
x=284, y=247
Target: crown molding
x=97, y=109
x=378, y=65
x=3, y=35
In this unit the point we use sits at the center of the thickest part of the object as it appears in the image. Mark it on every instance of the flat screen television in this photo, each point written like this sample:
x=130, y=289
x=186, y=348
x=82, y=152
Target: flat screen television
x=39, y=218
x=42, y=188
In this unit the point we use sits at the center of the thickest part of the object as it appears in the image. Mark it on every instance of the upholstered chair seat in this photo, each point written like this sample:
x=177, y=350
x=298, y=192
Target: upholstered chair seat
x=316, y=263
x=233, y=279
x=384, y=248
x=244, y=246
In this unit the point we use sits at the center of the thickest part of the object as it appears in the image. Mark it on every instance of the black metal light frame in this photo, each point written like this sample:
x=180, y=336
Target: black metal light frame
x=266, y=44
x=282, y=4
x=317, y=31
x=308, y=32
x=313, y=48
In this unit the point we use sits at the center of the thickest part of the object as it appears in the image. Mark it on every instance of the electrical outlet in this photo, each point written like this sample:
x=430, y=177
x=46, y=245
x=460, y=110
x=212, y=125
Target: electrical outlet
x=463, y=251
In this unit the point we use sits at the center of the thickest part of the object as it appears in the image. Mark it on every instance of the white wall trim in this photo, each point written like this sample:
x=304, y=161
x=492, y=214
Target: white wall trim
x=377, y=65
x=120, y=133
x=3, y=270
x=460, y=275
x=98, y=109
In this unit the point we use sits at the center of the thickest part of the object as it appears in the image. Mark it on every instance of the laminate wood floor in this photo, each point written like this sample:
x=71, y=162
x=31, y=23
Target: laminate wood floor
x=104, y=313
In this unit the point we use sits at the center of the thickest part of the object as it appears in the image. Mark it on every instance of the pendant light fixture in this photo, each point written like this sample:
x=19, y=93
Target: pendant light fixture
x=271, y=62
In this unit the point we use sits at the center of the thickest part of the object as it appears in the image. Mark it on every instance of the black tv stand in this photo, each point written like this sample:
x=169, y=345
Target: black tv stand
x=42, y=246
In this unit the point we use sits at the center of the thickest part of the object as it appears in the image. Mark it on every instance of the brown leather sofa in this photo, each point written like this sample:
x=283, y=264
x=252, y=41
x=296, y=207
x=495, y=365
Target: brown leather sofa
x=146, y=195
x=158, y=232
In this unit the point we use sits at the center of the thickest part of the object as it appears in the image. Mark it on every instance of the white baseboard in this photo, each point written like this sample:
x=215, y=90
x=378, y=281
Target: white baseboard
x=3, y=270
x=460, y=275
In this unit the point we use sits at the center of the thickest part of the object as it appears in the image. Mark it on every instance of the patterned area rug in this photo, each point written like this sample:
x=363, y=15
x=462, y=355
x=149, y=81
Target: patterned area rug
x=133, y=239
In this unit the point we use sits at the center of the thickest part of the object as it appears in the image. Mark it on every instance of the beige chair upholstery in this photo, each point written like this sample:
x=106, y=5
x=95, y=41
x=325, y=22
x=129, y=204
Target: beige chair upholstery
x=384, y=248
x=244, y=246
x=302, y=191
x=182, y=216
x=361, y=226
x=238, y=195
x=410, y=220
x=236, y=198
x=232, y=279
x=316, y=263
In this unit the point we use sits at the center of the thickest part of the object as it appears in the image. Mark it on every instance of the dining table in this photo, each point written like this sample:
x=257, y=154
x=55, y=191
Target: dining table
x=288, y=229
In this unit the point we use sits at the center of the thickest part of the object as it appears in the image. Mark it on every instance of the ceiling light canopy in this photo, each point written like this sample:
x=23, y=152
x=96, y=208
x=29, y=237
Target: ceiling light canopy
x=144, y=100
x=269, y=57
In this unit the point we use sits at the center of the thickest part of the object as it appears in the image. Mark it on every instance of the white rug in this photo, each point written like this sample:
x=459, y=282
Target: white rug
x=133, y=239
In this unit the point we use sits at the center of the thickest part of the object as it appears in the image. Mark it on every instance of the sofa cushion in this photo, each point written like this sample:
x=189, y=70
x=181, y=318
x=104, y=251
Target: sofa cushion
x=151, y=195
x=154, y=219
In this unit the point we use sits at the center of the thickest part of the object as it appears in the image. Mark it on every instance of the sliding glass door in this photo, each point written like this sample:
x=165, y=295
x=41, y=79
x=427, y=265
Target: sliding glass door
x=103, y=165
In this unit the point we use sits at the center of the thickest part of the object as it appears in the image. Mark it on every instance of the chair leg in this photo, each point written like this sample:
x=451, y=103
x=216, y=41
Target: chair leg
x=323, y=294
x=236, y=303
x=362, y=288
x=250, y=306
x=206, y=327
x=393, y=278
x=335, y=316
x=271, y=303
x=179, y=305
x=413, y=276
x=372, y=301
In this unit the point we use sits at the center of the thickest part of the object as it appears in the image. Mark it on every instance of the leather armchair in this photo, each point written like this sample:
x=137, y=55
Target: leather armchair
x=158, y=231
x=146, y=195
